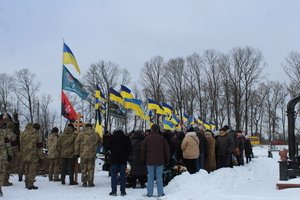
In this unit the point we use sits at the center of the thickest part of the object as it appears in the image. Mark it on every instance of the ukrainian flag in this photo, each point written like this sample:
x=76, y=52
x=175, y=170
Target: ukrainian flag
x=69, y=58
x=99, y=95
x=135, y=105
x=115, y=96
x=206, y=125
x=174, y=119
x=199, y=120
x=153, y=105
x=212, y=125
x=168, y=125
x=167, y=108
x=99, y=129
x=126, y=92
x=185, y=117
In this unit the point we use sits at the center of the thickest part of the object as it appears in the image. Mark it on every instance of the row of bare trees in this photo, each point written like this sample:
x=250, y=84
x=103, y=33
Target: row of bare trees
x=19, y=93
x=225, y=88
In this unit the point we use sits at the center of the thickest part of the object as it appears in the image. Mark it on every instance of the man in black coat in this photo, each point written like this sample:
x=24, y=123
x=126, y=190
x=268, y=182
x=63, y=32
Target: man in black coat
x=120, y=147
x=224, y=148
x=202, y=147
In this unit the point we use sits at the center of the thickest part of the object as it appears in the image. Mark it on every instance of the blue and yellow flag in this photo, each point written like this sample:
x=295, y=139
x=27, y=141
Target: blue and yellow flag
x=99, y=129
x=167, y=108
x=115, y=96
x=69, y=58
x=175, y=119
x=126, y=92
x=70, y=83
x=99, y=95
x=135, y=105
x=167, y=125
x=152, y=105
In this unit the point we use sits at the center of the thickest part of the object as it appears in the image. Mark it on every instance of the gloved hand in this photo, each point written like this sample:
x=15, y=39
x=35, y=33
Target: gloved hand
x=76, y=156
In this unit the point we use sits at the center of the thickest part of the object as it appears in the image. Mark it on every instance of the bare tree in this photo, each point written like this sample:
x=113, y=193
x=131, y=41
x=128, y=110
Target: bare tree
x=6, y=89
x=26, y=91
x=194, y=65
x=45, y=114
x=175, y=82
x=152, y=76
x=292, y=69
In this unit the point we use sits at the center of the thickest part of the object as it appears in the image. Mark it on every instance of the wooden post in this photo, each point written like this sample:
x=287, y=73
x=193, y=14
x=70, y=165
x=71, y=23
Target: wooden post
x=77, y=124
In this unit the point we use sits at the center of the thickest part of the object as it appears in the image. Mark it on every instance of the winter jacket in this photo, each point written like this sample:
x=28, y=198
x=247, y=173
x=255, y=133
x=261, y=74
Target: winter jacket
x=120, y=147
x=190, y=146
x=66, y=143
x=86, y=143
x=202, y=142
x=210, y=158
x=224, y=145
x=155, y=150
x=31, y=145
x=52, y=146
x=241, y=144
x=5, y=149
x=248, y=147
x=138, y=168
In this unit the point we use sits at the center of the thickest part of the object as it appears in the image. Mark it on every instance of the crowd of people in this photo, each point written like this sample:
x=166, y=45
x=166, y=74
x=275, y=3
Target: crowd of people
x=152, y=155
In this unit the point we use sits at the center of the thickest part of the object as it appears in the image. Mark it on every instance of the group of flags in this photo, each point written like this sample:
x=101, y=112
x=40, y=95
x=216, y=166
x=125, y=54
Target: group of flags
x=124, y=98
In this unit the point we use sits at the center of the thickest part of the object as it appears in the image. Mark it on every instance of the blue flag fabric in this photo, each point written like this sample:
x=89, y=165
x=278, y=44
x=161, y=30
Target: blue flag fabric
x=70, y=83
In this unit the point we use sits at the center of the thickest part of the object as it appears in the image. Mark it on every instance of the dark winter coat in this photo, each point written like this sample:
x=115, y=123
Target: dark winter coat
x=138, y=168
x=120, y=147
x=241, y=144
x=210, y=157
x=248, y=147
x=155, y=150
x=224, y=145
x=202, y=142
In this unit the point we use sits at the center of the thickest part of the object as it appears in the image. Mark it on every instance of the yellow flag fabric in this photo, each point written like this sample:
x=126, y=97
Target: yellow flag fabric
x=99, y=129
x=69, y=58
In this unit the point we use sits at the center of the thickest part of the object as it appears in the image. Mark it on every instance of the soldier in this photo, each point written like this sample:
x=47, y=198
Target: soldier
x=66, y=149
x=5, y=155
x=53, y=154
x=14, y=146
x=31, y=152
x=85, y=147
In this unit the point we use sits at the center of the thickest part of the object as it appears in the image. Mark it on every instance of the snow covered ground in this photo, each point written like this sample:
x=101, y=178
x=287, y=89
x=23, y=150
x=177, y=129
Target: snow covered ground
x=254, y=181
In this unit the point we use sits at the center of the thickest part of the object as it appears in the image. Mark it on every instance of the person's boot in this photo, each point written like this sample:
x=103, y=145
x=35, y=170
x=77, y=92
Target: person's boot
x=84, y=184
x=20, y=178
x=1, y=193
x=63, y=182
x=32, y=187
x=91, y=184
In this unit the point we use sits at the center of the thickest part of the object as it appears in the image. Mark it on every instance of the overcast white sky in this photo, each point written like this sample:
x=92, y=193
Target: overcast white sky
x=131, y=32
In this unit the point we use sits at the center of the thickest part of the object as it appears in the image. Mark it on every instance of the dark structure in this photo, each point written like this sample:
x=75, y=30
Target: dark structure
x=291, y=167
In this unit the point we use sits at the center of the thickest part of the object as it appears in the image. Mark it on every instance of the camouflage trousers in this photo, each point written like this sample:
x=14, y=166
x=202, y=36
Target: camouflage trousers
x=54, y=169
x=11, y=167
x=2, y=173
x=30, y=172
x=87, y=167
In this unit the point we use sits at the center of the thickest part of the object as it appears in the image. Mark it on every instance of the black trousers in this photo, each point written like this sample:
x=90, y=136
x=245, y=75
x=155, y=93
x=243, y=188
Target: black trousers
x=67, y=164
x=191, y=165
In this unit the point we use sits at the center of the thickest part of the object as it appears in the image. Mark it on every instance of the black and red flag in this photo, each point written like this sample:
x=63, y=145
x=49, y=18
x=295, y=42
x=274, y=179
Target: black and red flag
x=67, y=109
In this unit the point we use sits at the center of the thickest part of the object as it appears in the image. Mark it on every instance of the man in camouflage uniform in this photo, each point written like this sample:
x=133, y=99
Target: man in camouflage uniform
x=85, y=147
x=5, y=155
x=31, y=152
x=66, y=149
x=53, y=154
x=14, y=146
